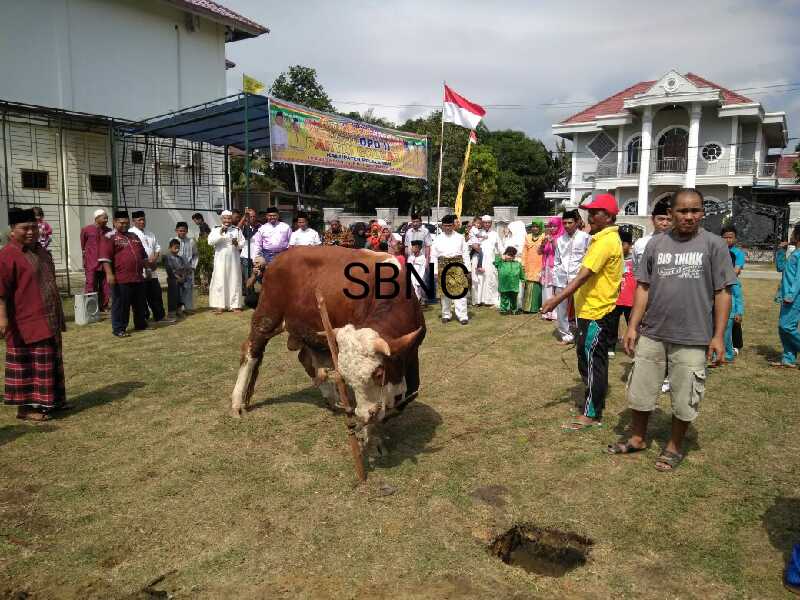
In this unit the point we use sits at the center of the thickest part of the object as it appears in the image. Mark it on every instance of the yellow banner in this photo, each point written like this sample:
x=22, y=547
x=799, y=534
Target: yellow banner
x=462, y=181
x=304, y=136
x=251, y=85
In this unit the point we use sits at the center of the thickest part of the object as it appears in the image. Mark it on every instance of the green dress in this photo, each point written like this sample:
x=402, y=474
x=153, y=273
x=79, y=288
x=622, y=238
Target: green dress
x=510, y=275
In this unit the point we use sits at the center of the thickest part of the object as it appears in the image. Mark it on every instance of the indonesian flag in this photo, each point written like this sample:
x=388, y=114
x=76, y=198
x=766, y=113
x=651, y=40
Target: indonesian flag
x=461, y=111
x=473, y=137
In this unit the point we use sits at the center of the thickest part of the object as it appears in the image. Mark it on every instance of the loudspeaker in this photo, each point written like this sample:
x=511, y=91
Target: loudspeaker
x=87, y=309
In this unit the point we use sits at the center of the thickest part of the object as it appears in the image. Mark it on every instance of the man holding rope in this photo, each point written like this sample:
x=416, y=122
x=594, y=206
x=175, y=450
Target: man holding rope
x=596, y=288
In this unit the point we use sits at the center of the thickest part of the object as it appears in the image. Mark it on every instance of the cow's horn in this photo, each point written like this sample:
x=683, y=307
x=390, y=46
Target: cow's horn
x=398, y=345
x=380, y=346
x=323, y=334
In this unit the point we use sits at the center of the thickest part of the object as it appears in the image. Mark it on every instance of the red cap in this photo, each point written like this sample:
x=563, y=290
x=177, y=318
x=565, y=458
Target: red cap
x=605, y=202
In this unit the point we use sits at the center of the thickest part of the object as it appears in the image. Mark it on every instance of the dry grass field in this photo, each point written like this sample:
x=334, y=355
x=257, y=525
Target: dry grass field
x=148, y=489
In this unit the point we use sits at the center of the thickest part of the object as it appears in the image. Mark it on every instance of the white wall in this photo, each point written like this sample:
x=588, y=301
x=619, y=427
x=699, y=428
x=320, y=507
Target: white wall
x=120, y=58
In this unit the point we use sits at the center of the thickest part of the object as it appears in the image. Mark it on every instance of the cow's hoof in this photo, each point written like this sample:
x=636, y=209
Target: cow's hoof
x=236, y=413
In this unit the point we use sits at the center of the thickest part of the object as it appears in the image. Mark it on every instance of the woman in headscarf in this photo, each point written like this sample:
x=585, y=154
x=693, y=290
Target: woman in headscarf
x=359, y=235
x=516, y=239
x=374, y=239
x=532, y=263
x=547, y=249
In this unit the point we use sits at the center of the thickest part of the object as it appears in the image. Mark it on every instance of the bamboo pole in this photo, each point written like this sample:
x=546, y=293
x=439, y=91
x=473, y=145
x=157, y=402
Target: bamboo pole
x=344, y=400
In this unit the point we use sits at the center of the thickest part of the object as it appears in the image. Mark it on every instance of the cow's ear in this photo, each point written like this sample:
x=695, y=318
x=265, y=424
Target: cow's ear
x=380, y=346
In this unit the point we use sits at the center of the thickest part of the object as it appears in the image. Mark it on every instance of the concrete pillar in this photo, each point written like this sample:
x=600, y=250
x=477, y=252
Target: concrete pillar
x=732, y=152
x=644, y=166
x=620, y=152
x=757, y=154
x=438, y=213
x=330, y=213
x=694, y=139
x=506, y=213
x=573, y=191
x=794, y=212
x=389, y=215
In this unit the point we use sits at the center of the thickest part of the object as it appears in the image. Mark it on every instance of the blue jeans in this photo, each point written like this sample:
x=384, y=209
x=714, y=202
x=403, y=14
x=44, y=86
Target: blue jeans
x=729, y=353
x=787, y=330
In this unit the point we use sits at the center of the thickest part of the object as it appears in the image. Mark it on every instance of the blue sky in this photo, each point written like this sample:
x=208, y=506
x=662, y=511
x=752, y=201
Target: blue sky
x=523, y=53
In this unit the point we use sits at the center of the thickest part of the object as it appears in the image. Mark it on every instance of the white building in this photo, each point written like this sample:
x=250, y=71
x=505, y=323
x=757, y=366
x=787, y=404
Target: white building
x=70, y=71
x=679, y=131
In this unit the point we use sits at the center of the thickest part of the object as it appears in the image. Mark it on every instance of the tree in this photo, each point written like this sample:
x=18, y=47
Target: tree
x=299, y=84
x=480, y=188
x=262, y=177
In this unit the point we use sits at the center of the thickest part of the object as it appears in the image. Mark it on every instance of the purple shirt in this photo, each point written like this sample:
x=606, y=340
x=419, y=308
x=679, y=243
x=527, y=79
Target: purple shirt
x=271, y=239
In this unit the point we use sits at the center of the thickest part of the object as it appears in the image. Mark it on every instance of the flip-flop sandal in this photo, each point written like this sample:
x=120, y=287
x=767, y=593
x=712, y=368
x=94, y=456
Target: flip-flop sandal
x=580, y=426
x=624, y=448
x=670, y=460
x=782, y=365
x=35, y=416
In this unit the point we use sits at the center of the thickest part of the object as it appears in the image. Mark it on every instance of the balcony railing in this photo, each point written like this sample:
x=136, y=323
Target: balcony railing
x=722, y=168
x=627, y=171
x=669, y=164
x=767, y=169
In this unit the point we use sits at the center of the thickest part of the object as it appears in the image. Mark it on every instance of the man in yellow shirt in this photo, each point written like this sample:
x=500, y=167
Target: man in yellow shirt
x=596, y=289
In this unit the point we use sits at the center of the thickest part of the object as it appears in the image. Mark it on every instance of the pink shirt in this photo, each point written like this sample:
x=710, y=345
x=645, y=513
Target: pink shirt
x=271, y=239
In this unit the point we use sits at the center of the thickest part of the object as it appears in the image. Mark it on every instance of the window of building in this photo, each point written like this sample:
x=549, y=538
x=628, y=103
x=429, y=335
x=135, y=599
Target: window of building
x=601, y=145
x=100, y=184
x=631, y=208
x=137, y=157
x=634, y=156
x=711, y=152
x=35, y=180
x=672, y=151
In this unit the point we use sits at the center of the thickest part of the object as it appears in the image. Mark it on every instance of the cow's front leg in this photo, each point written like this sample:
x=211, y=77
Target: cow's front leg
x=371, y=441
x=245, y=382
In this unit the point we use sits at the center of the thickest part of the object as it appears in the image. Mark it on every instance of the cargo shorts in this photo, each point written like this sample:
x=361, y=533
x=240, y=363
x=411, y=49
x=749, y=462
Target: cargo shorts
x=686, y=369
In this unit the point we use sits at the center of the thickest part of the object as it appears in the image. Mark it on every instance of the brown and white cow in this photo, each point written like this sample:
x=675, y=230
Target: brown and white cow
x=378, y=339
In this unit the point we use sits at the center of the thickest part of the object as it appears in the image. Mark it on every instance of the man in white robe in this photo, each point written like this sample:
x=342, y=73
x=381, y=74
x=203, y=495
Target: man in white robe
x=571, y=247
x=451, y=244
x=484, y=280
x=225, y=289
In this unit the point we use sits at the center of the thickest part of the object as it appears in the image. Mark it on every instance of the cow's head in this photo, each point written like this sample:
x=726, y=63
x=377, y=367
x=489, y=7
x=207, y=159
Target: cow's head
x=372, y=366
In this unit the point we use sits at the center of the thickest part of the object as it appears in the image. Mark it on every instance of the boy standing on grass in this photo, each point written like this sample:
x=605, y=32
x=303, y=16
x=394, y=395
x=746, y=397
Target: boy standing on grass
x=596, y=288
x=729, y=234
x=736, y=314
x=626, y=292
x=682, y=303
x=510, y=275
x=789, y=297
x=178, y=271
x=417, y=260
x=188, y=251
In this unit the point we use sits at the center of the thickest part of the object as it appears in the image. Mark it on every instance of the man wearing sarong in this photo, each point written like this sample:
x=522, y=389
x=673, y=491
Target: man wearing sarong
x=123, y=258
x=31, y=321
x=449, y=248
x=152, y=287
x=91, y=238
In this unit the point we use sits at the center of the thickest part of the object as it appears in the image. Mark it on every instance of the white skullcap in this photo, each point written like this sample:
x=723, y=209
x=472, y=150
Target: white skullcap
x=382, y=223
x=100, y=212
x=226, y=213
x=398, y=237
x=486, y=218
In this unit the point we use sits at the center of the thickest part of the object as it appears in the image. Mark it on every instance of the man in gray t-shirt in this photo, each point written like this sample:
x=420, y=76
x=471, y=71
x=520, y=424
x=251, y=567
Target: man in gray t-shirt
x=682, y=302
x=682, y=275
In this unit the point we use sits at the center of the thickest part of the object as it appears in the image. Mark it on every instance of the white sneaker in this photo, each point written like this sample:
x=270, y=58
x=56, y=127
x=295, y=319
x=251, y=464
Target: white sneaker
x=736, y=351
x=611, y=354
x=665, y=386
x=568, y=339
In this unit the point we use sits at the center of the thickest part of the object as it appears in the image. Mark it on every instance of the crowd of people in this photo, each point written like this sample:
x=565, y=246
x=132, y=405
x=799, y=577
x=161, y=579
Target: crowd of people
x=582, y=277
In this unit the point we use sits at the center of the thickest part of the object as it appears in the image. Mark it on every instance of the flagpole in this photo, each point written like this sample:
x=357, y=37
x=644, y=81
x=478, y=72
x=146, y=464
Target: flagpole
x=441, y=156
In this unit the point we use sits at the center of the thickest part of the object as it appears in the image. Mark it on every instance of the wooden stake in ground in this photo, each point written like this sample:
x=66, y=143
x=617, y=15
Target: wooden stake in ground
x=344, y=399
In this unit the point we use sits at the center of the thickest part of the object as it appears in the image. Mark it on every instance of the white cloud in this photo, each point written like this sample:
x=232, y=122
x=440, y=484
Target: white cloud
x=520, y=52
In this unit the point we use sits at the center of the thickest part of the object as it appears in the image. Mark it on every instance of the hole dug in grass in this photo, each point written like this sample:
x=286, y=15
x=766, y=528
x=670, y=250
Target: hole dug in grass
x=548, y=552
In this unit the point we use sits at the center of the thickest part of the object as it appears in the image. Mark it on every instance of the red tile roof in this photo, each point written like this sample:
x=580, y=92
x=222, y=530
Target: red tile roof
x=784, y=169
x=217, y=12
x=615, y=104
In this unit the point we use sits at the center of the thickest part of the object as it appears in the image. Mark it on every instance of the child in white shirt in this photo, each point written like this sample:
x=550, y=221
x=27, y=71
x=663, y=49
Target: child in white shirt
x=477, y=234
x=418, y=261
